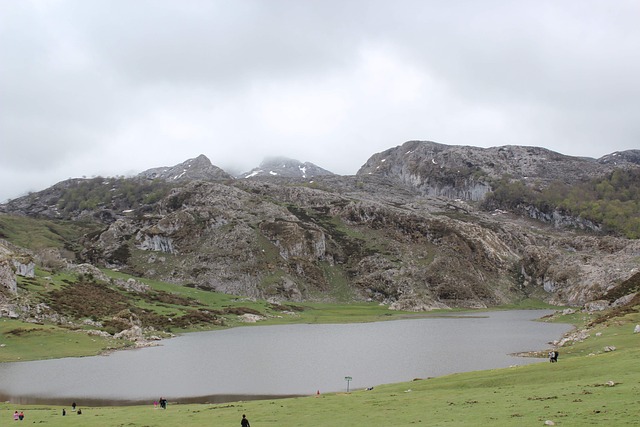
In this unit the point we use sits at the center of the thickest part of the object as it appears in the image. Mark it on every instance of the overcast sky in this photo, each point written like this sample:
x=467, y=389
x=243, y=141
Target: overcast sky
x=119, y=86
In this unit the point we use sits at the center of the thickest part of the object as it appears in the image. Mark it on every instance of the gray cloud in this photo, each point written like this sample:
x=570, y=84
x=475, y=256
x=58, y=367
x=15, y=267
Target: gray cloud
x=115, y=87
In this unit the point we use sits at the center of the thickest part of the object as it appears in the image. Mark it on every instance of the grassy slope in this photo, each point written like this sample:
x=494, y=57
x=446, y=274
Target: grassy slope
x=573, y=392
x=38, y=234
x=26, y=341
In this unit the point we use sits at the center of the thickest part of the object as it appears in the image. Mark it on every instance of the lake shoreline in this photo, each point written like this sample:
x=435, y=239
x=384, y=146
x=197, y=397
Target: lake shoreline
x=267, y=382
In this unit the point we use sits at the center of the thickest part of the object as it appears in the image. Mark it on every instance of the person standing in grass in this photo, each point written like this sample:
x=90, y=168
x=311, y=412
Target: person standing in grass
x=245, y=421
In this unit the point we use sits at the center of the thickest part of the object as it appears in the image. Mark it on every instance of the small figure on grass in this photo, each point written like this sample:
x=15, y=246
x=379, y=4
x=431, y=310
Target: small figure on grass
x=245, y=421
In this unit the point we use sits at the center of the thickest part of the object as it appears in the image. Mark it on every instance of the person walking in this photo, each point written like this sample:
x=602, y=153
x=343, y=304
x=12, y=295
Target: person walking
x=245, y=421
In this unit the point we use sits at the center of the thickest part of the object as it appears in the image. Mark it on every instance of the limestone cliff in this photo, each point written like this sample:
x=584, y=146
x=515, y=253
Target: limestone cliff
x=406, y=231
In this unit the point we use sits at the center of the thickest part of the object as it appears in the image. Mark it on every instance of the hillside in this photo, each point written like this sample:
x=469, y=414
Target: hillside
x=419, y=227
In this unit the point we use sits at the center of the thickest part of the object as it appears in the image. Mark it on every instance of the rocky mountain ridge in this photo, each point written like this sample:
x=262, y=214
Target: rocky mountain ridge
x=406, y=231
x=465, y=172
x=199, y=168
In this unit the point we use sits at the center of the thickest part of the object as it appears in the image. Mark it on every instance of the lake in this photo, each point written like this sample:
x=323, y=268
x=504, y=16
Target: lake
x=276, y=361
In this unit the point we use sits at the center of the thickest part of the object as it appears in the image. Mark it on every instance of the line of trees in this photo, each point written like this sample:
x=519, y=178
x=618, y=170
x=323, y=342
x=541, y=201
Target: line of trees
x=612, y=201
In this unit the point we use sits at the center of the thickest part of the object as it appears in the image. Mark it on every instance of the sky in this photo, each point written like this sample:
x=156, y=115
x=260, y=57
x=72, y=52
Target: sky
x=114, y=87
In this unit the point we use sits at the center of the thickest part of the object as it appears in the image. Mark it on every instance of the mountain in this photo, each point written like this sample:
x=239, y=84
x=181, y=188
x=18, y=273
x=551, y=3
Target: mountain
x=286, y=168
x=621, y=157
x=199, y=168
x=413, y=229
x=468, y=173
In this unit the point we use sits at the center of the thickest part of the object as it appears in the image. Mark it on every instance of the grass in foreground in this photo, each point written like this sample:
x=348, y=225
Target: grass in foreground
x=576, y=391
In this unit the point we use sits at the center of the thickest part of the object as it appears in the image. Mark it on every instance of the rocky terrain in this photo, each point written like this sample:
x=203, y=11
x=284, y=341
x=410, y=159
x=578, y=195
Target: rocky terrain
x=463, y=172
x=408, y=230
x=199, y=168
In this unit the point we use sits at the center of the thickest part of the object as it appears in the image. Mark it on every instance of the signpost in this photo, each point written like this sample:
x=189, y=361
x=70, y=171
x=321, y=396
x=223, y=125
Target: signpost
x=348, y=379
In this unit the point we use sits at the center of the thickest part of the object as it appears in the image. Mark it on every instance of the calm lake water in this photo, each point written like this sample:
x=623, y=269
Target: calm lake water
x=269, y=361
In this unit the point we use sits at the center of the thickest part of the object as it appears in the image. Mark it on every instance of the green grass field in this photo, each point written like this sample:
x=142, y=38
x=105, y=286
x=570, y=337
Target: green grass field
x=588, y=386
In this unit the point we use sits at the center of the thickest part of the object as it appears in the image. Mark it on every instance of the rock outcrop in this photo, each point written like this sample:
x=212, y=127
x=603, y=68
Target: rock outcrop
x=464, y=172
x=14, y=262
x=290, y=241
x=406, y=231
x=199, y=168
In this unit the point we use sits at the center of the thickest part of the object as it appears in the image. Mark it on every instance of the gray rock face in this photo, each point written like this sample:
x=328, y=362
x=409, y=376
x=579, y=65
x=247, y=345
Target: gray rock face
x=8, y=276
x=199, y=168
x=366, y=237
x=465, y=172
x=599, y=305
x=14, y=261
x=24, y=268
x=404, y=232
x=621, y=158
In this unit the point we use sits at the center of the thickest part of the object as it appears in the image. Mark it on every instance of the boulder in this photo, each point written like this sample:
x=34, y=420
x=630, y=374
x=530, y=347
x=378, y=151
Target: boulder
x=132, y=334
x=8, y=275
x=25, y=268
x=624, y=300
x=250, y=318
x=598, y=305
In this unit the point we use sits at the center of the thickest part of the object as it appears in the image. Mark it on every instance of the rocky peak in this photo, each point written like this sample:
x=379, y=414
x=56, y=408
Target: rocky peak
x=621, y=157
x=466, y=172
x=287, y=168
x=199, y=168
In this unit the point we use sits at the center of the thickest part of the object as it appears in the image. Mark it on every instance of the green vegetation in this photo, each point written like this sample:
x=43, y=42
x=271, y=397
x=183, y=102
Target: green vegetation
x=36, y=234
x=119, y=193
x=588, y=386
x=612, y=201
x=168, y=308
x=29, y=341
